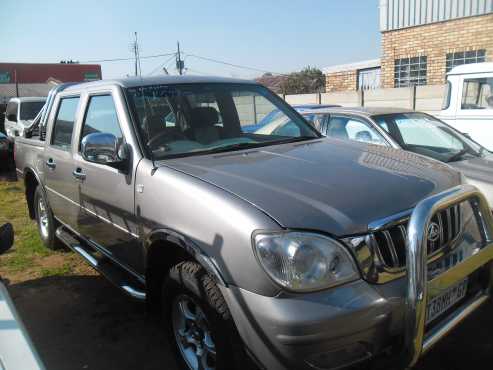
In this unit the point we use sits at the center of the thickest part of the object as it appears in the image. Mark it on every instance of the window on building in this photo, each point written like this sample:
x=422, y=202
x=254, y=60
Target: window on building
x=369, y=79
x=465, y=57
x=410, y=71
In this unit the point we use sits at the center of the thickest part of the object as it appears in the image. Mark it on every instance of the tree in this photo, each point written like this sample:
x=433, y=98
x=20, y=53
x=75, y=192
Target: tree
x=308, y=80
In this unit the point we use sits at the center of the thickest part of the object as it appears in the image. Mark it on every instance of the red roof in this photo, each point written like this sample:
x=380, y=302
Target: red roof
x=40, y=73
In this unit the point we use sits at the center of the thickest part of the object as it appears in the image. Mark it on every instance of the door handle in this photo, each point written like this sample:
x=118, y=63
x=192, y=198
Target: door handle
x=50, y=163
x=79, y=175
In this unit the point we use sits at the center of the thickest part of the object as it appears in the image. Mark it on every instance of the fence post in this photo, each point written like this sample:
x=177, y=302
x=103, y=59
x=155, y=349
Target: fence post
x=361, y=97
x=413, y=97
x=319, y=98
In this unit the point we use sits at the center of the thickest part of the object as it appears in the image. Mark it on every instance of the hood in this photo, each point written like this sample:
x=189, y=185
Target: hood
x=329, y=185
x=479, y=172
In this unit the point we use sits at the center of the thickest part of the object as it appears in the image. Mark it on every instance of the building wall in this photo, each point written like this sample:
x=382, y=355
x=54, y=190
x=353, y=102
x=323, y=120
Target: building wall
x=341, y=81
x=435, y=41
x=40, y=73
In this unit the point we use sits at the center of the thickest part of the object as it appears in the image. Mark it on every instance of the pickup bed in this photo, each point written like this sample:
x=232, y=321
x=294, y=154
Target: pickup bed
x=277, y=248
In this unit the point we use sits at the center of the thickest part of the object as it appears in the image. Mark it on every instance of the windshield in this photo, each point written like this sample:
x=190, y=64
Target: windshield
x=423, y=134
x=30, y=109
x=180, y=120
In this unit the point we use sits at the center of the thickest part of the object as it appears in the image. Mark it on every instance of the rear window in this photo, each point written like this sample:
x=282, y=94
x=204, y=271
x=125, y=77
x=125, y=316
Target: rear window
x=30, y=109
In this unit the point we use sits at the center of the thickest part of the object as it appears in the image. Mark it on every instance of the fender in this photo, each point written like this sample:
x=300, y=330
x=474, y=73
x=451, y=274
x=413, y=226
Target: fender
x=168, y=235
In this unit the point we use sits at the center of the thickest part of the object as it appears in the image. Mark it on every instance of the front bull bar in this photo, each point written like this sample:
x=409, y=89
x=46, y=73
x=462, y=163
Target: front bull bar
x=416, y=341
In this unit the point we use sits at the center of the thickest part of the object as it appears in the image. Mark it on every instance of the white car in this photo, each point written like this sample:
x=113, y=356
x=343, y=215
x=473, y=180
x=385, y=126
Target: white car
x=468, y=103
x=20, y=112
x=16, y=349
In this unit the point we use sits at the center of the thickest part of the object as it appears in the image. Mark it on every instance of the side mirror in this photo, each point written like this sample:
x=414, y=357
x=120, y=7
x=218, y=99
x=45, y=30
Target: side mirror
x=12, y=117
x=104, y=148
x=6, y=237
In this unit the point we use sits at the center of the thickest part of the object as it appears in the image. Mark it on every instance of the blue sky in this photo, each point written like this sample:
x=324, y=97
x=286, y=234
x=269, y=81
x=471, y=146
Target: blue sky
x=278, y=36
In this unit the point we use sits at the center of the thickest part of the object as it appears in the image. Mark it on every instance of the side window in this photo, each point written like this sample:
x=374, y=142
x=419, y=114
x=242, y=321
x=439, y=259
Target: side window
x=11, y=110
x=477, y=93
x=101, y=117
x=64, y=123
x=353, y=129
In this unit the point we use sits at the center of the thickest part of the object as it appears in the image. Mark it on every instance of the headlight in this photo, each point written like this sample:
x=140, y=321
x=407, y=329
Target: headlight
x=304, y=261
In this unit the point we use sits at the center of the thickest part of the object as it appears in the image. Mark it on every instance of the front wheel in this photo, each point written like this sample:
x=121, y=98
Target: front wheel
x=200, y=329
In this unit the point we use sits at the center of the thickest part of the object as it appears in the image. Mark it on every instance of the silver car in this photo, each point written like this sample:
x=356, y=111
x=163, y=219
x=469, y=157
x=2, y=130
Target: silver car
x=416, y=132
x=271, y=244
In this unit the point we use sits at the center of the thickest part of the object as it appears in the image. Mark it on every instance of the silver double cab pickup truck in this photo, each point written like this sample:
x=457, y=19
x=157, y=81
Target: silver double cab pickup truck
x=262, y=244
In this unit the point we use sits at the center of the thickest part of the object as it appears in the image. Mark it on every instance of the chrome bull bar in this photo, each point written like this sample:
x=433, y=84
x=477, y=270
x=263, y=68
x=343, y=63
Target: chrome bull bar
x=416, y=341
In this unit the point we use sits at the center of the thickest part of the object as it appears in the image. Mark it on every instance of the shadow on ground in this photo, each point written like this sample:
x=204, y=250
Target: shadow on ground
x=83, y=322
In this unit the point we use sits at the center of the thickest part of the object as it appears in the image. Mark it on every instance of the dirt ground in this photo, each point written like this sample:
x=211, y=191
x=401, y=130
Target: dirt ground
x=77, y=320
x=82, y=322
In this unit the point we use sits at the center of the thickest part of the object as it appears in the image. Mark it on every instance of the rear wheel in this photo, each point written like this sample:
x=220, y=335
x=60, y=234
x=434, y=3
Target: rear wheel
x=45, y=220
x=200, y=329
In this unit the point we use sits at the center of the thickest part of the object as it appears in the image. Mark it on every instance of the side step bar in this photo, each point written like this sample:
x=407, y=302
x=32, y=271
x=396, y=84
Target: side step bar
x=116, y=275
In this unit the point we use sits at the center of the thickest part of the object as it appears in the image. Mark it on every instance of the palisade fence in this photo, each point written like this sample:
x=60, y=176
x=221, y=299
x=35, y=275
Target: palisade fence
x=427, y=98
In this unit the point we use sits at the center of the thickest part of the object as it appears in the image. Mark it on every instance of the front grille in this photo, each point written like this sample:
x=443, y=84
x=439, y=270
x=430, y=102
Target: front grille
x=443, y=229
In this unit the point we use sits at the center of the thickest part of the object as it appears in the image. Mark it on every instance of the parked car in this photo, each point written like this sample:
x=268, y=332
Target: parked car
x=416, y=132
x=468, y=103
x=19, y=113
x=16, y=350
x=285, y=251
x=276, y=113
x=6, y=151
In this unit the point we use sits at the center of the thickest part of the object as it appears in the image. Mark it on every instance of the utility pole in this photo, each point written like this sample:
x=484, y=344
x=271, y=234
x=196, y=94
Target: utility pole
x=135, y=49
x=180, y=64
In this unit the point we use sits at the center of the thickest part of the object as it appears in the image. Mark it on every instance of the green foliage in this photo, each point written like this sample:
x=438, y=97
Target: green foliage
x=309, y=80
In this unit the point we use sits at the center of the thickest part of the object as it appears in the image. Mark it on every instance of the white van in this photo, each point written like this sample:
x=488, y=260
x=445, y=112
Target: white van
x=19, y=113
x=468, y=103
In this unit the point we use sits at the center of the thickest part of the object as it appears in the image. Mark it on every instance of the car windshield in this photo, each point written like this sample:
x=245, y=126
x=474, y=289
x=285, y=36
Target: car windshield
x=30, y=109
x=423, y=134
x=181, y=120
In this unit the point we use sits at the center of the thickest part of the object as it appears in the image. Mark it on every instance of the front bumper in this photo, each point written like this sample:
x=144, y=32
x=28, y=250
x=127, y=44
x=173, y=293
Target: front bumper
x=354, y=322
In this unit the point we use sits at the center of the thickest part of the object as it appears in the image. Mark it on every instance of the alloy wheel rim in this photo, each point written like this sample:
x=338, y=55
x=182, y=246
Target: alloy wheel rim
x=192, y=334
x=43, y=218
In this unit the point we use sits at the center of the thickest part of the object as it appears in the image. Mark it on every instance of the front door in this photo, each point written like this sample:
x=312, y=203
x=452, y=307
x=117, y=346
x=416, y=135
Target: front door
x=60, y=185
x=106, y=194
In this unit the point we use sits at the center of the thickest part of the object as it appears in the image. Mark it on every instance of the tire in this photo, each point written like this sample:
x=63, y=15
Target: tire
x=46, y=222
x=194, y=306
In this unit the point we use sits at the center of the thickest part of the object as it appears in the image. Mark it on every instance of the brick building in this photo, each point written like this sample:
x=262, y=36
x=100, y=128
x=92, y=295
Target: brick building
x=421, y=40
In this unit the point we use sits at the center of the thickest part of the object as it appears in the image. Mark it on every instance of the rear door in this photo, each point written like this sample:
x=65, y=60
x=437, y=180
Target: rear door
x=106, y=194
x=60, y=184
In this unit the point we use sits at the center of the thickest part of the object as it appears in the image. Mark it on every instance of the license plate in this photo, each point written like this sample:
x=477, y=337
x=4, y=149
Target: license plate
x=444, y=301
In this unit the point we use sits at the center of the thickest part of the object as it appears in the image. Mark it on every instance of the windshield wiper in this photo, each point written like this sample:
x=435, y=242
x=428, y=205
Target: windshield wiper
x=457, y=155
x=239, y=146
x=230, y=147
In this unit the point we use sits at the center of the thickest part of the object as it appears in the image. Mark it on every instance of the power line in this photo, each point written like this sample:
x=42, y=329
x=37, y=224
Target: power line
x=161, y=65
x=123, y=59
x=232, y=64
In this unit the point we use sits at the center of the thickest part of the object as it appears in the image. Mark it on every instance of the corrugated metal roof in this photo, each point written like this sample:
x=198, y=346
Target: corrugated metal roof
x=396, y=14
x=372, y=63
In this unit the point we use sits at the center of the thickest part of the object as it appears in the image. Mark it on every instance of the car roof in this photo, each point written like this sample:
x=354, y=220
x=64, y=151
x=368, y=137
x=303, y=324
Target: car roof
x=160, y=80
x=361, y=111
x=471, y=68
